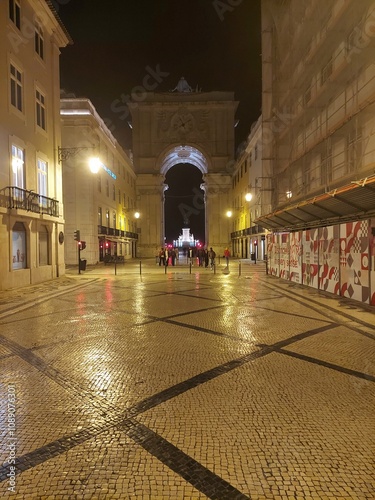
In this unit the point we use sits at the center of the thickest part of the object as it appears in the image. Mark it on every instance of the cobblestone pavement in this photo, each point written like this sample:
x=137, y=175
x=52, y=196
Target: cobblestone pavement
x=182, y=383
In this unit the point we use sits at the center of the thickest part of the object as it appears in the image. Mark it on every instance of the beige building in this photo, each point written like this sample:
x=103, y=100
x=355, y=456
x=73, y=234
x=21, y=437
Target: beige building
x=101, y=205
x=251, y=191
x=319, y=143
x=31, y=211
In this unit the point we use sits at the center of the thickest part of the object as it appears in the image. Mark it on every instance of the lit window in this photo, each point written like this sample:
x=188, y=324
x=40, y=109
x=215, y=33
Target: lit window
x=18, y=167
x=39, y=41
x=19, y=246
x=16, y=87
x=40, y=110
x=42, y=178
x=15, y=12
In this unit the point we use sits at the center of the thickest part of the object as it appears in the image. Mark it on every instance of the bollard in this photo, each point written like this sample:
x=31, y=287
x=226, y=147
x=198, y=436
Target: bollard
x=115, y=265
x=140, y=267
x=239, y=268
x=214, y=268
x=165, y=269
x=190, y=267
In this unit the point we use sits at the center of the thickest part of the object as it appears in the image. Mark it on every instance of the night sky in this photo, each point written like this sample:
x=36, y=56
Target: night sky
x=214, y=44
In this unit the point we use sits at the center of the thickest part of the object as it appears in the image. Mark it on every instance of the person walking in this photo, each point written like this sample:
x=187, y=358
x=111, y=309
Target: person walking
x=206, y=258
x=227, y=255
x=212, y=255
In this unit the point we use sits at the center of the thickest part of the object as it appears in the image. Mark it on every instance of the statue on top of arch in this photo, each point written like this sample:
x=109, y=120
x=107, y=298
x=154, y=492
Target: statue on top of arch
x=183, y=86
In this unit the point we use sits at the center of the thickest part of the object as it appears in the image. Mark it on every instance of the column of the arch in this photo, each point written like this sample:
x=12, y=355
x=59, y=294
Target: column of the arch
x=150, y=195
x=217, y=189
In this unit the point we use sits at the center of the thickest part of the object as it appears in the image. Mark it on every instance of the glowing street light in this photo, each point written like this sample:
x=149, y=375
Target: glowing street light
x=94, y=164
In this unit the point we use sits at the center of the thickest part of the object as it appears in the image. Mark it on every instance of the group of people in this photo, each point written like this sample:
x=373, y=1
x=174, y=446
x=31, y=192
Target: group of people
x=204, y=256
x=168, y=255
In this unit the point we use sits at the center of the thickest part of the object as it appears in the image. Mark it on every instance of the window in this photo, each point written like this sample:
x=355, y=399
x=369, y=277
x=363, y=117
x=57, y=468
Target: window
x=107, y=217
x=99, y=216
x=114, y=220
x=16, y=87
x=18, y=167
x=42, y=177
x=15, y=12
x=43, y=246
x=114, y=192
x=99, y=184
x=40, y=110
x=39, y=41
x=107, y=188
x=19, y=246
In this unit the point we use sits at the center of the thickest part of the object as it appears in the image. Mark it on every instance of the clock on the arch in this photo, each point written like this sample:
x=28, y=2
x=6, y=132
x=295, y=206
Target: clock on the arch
x=182, y=123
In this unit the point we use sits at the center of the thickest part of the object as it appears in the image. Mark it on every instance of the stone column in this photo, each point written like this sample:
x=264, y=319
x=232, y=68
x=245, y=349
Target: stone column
x=217, y=189
x=150, y=204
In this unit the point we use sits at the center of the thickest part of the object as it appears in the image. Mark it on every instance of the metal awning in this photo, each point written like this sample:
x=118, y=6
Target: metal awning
x=354, y=201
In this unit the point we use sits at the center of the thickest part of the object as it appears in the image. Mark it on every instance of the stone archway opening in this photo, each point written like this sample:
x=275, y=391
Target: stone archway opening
x=183, y=168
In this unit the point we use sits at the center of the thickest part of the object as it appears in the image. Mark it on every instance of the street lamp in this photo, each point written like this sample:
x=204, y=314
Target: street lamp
x=94, y=164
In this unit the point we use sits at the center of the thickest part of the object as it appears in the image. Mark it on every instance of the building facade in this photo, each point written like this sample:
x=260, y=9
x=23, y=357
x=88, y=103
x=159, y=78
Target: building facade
x=319, y=144
x=31, y=211
x=177, y=128
x=250, y=198
x=100, y=205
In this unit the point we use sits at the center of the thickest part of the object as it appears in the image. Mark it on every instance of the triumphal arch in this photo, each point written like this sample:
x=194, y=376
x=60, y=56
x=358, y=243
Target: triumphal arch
x=183, y=126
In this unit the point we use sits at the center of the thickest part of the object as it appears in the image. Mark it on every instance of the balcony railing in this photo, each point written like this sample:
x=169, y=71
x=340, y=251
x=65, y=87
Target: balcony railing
x=247, y=231
x=110, y=231
x=15, y=197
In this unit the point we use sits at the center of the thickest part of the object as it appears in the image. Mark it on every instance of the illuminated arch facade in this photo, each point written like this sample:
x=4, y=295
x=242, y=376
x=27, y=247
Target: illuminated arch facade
x=174, y=128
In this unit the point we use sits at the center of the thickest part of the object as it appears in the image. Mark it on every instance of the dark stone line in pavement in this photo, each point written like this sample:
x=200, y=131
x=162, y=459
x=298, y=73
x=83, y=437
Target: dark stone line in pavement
x=192, y=471
x=66, y=443
x=348, y=371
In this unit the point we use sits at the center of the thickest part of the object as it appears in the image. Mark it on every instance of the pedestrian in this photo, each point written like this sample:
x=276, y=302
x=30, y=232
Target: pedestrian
x=166, y=255
x=162, y=257
x=173, y=256
x=206, y=258
x=227, y=255
x=212, y=255
x=200, y=257
x=191, y=256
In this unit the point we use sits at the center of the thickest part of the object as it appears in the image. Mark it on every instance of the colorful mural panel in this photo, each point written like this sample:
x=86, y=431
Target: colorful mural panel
x=295, y=257
x=284, y=256
x=354, y=260
x=329, y=259
x=310, y=257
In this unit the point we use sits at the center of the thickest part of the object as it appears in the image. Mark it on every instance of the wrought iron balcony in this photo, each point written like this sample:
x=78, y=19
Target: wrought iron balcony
x=110, y=231
x=15, y=197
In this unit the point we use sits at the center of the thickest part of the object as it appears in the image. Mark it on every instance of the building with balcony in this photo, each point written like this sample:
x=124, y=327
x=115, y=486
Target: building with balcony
x=250, y=193
x=318, y=111
x=102, y=205
x=31, y=209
